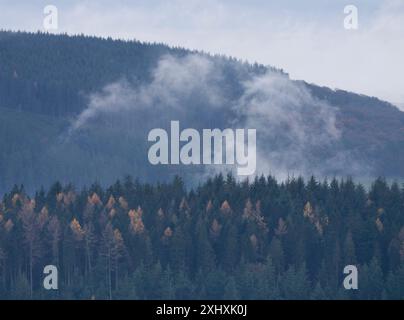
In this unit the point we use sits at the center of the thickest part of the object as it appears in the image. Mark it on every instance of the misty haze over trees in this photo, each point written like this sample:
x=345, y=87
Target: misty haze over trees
x=78, y=109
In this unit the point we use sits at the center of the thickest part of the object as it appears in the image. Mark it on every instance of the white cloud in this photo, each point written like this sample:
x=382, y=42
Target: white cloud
x=307, y=40
x=292, y=126
x=175, y=83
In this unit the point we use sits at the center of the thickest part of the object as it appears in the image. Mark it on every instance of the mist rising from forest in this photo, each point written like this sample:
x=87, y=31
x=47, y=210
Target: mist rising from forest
x=291, y=124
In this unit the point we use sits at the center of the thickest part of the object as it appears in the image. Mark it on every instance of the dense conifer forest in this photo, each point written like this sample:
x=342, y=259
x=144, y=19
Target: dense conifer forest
x=224, y=239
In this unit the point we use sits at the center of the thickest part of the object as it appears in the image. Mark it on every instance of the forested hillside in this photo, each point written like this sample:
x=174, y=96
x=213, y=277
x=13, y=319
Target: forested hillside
x=48, y=81
x=50, y=74
x=224, y=239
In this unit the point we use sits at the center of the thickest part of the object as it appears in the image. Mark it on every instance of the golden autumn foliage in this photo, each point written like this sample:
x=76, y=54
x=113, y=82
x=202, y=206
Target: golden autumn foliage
x=225, y=208
x=78, y=232
x=132, y=213
x=29, y=205
x=168, y=232
x=66, y=198
x=311, y=214
x=23, y=201
x=308, y=211
x=123, y=203
x=113, y=243
x=111, y=202
x=254, y=215
x=15, y=198
x=136, y=223
x=43, y=217
x=138, y=227
x=95, y=200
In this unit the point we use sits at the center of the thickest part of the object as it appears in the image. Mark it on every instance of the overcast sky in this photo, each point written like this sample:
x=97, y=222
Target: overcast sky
x=305, y=38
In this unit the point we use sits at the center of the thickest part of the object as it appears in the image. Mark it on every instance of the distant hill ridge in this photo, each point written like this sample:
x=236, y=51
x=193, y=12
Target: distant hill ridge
x=46, y=81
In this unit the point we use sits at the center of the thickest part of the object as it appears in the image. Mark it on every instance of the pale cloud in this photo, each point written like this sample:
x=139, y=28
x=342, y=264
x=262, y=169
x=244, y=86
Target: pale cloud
x=292, y=126
x=306, y=40
x=176, y=83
